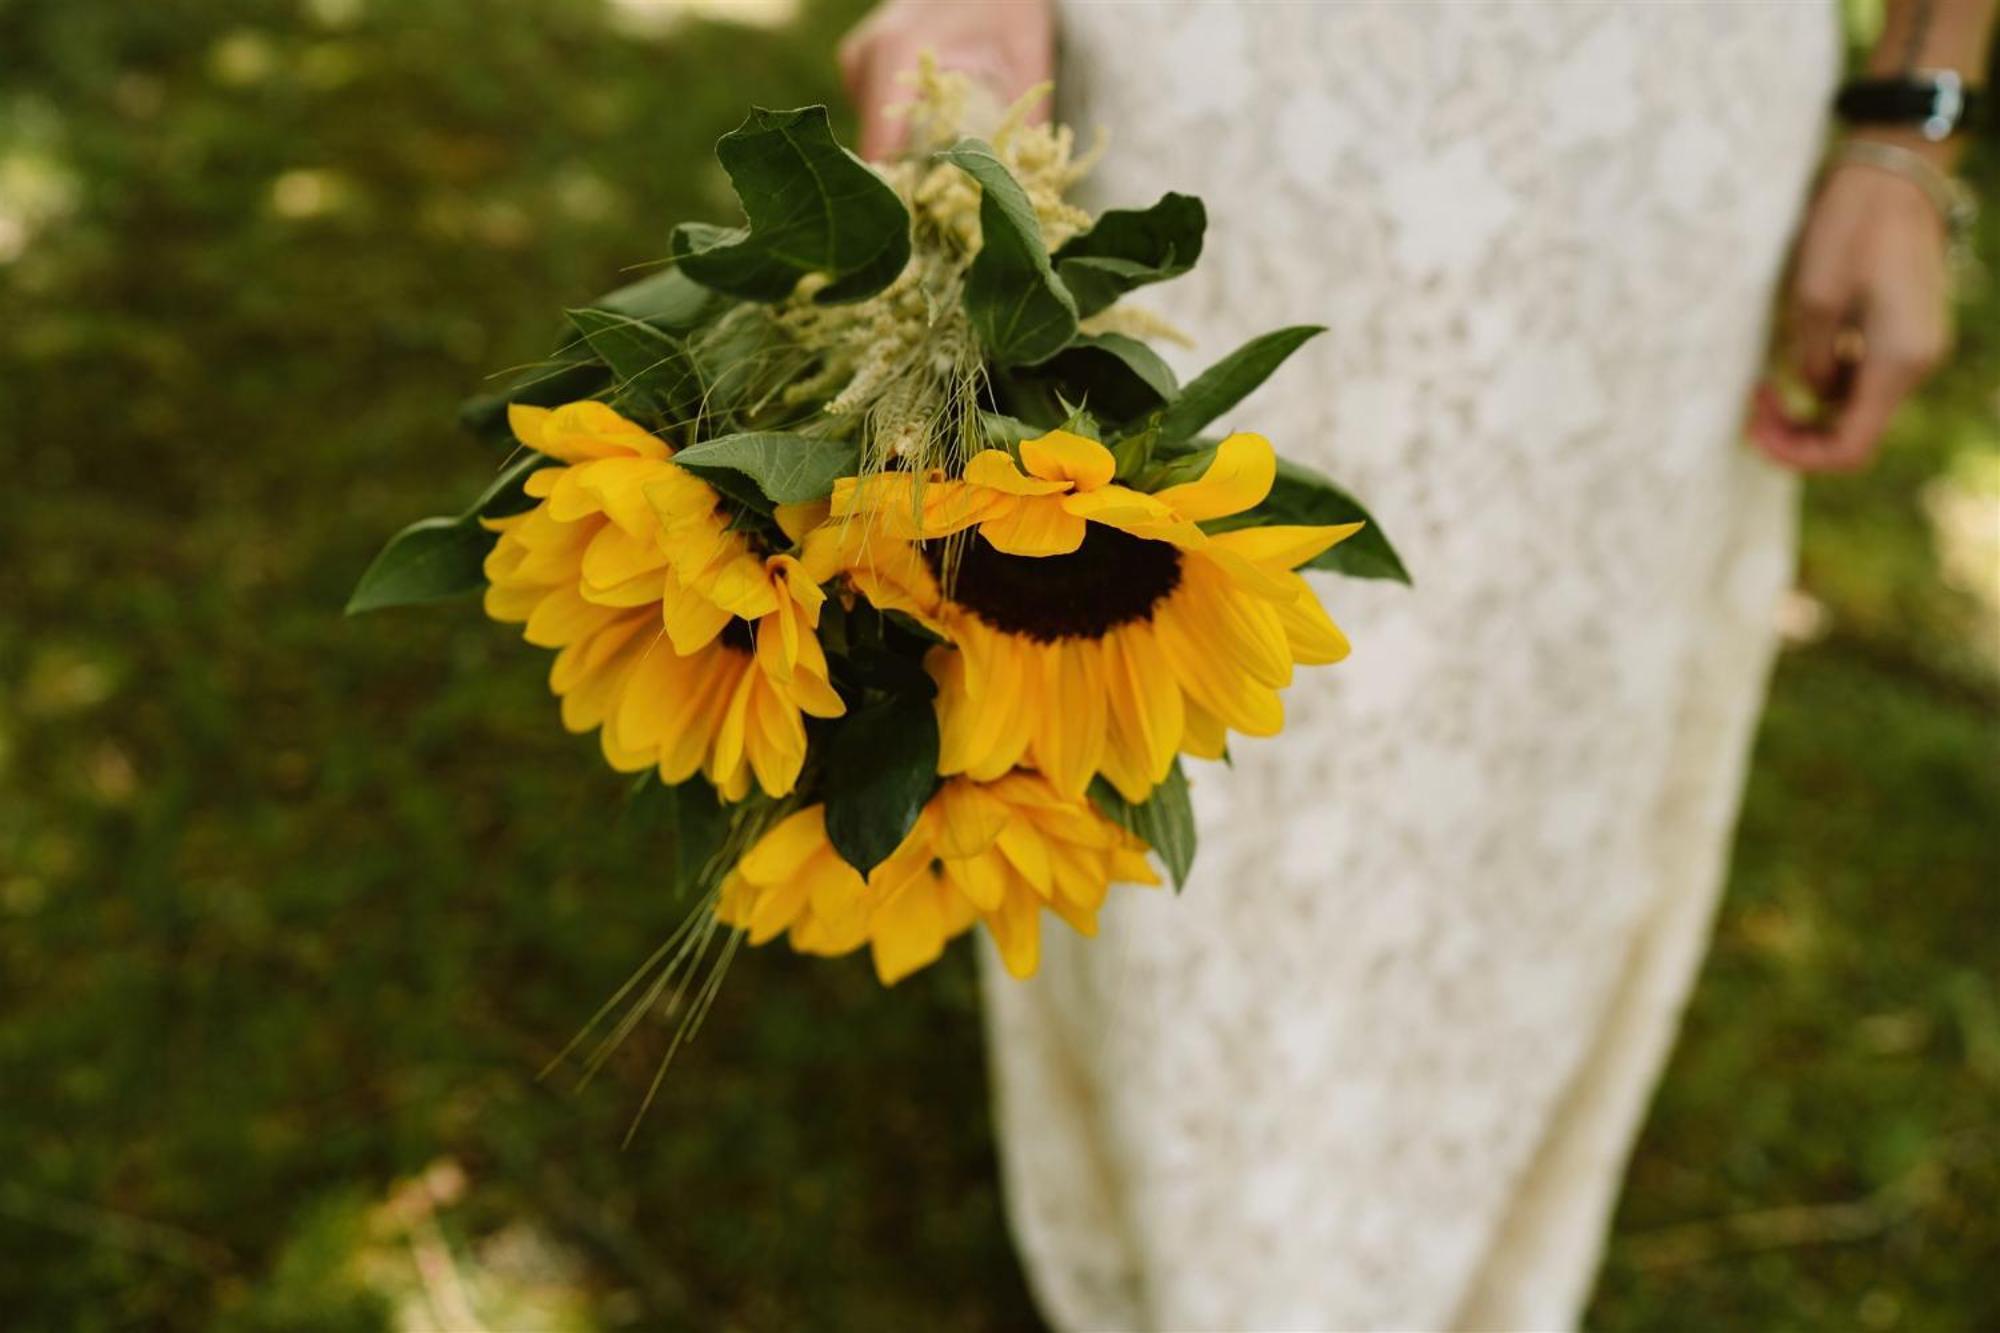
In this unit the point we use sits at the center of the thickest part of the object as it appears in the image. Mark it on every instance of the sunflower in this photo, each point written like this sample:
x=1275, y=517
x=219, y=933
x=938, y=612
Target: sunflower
x=686, y=647
x=1092, y=627
x=998, y=852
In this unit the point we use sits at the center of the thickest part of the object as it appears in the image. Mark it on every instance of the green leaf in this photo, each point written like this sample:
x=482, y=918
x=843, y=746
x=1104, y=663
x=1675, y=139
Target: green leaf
x=813, y=207
x=788, y=469
x=1130, y=248
x=1118, y=378
x=1018, y=306
x=997, y=430
x=506, y=493
x=1301, y=495
x=668, y=300
x=692, y=822
x=1165, y=820
x=652, y=369
x=881, y=768
x=742, y=360
x=432, y=560
x=1227, y=382
x=437, y=559
x=1134, y=454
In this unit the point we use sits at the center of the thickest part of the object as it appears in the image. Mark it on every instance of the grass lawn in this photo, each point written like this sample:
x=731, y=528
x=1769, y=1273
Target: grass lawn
x=292, y=908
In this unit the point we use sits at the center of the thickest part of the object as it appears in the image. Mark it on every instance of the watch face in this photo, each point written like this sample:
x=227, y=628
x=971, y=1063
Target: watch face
x=1947, y=105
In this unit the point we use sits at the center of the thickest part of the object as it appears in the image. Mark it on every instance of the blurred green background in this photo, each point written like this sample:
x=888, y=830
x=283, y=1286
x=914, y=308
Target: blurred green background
x=292, y=908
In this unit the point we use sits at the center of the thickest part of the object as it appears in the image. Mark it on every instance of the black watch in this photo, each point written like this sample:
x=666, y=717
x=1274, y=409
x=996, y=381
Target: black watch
x=1937, y=102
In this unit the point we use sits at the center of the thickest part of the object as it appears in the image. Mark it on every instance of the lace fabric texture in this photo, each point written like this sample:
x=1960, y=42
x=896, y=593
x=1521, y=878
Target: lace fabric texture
x=1381, y=1064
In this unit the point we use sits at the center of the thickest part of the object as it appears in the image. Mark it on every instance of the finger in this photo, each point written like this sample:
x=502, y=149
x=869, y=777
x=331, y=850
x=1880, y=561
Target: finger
x=1787, y=442
x=1880, y=385
x=1904, y=343
x=852, y=57
x=1821, y=306
x=883, y=134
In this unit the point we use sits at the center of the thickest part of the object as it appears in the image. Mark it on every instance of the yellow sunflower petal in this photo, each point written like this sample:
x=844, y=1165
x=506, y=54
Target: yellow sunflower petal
x=1238, y=478
x=1037, y=526
x=1243, y=631
x=1028, y=854
x=527, y=423
x=577, y=432
x=1315, y=640
x=1135, y=512
x=1061, y=456
x=1221, y=688
x=1284, y=545
x=726, y=760
x=838, y=895
x=786, y=847
x=984, y=710
x=776, y=739
x=1017, y=934
x=1154, y=699
x=796, y=520
x=1129, y=865
x=1070, y=730
x=563, y=616
x=615, y=556
x=968, y=820
x=692, y=621
x=777, y=907
x=907, y=930
x=688, y=736
x=537, y=484
x=983, y=878
x=995, y=469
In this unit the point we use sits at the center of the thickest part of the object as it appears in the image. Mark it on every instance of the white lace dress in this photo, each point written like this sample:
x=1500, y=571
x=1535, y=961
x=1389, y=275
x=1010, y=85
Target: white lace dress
x=1380, y=1065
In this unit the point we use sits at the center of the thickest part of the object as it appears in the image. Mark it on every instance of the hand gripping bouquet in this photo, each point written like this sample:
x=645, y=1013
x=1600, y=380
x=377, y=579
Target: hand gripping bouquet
x=875, y=539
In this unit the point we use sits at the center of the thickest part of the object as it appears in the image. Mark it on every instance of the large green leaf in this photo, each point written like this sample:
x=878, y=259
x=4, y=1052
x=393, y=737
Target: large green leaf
x=743, y=360
x=1165, y=820
x=1018, y=306
x=1227, y=382
x=432, y=560
x=668, y=300
x=1116, y=377
x=1129, y=248
x=881, y=768
x=813, y=207
x=1301, y=495
x=437, y=559
x=651, y=370
x=788, y=469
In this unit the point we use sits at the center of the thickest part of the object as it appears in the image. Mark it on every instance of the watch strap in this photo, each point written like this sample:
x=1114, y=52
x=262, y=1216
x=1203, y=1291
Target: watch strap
x=1936, y=102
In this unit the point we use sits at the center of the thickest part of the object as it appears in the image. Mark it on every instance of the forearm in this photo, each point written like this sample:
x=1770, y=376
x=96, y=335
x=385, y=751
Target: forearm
x=1954, y=35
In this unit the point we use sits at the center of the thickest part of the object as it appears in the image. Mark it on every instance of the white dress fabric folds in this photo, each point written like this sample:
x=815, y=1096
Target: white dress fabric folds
x=1380, y=1065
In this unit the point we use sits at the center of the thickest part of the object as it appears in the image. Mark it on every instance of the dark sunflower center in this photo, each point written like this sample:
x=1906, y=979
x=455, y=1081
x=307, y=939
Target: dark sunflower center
x=1112, y=579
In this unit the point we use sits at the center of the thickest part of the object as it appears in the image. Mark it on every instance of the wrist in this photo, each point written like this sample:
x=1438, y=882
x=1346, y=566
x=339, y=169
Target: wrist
x=1919, y=180
x=1943, y=154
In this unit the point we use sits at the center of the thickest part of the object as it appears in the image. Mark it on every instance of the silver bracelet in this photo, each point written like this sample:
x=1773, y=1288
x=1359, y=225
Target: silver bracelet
x=1952, y=198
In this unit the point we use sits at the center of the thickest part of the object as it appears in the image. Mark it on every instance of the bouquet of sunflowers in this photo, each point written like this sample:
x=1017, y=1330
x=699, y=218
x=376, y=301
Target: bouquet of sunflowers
x=875, y=538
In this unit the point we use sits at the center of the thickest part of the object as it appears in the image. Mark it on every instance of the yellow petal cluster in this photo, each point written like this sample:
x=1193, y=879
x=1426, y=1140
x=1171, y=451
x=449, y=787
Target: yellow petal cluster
x=997, y=852
x=627, y=566
x=1206, y=658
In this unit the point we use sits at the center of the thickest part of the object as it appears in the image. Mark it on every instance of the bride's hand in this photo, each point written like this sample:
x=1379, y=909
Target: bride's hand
x=1868, y=318
x=1007, y=45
